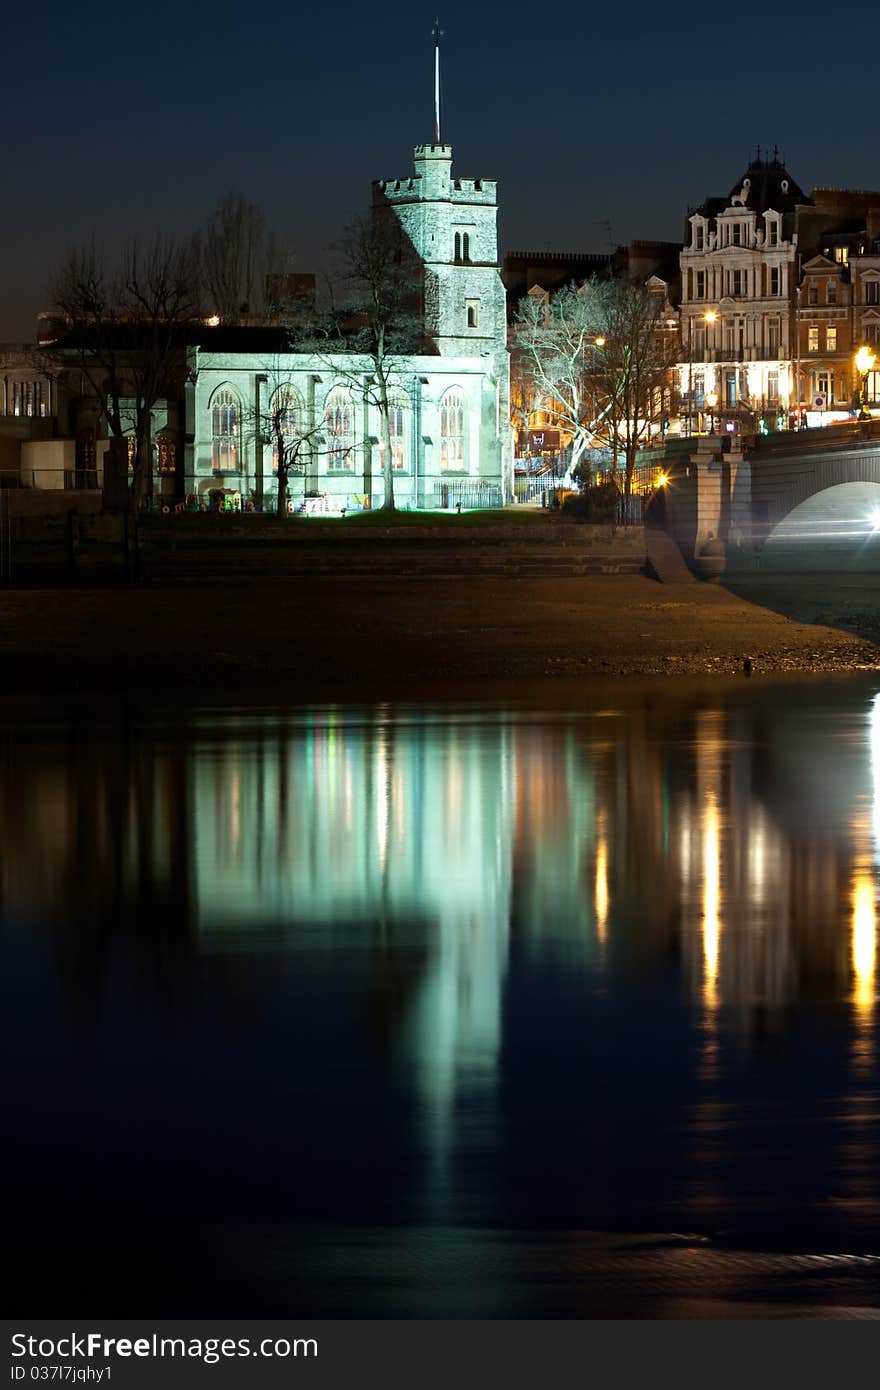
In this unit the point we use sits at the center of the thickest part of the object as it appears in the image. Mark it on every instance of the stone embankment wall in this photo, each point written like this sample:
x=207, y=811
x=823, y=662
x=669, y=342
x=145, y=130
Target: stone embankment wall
x=66, y=539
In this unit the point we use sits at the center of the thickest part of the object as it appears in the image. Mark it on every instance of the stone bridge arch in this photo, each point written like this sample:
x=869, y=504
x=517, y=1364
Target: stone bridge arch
x=782, y=483
x=835, y=529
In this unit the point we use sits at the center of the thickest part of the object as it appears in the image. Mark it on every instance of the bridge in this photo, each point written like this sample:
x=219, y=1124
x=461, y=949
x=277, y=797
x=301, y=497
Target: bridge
x=808, y=499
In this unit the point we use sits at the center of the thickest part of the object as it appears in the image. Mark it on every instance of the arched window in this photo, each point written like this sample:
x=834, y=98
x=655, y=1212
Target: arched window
x=165, y=454
x=465, y=246
x=286, y=423
x=339, y=431
x=457, y=250
x=225, y=424
x=399, y=421
x=452, y=453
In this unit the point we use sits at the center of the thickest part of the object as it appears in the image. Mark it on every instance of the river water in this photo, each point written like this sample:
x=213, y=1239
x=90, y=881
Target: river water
x=474, y=1012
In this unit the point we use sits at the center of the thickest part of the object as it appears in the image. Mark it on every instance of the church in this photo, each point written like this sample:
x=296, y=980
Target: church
x=451, y=440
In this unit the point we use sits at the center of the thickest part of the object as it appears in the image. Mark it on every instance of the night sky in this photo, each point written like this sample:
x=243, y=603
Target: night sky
x=121, y=119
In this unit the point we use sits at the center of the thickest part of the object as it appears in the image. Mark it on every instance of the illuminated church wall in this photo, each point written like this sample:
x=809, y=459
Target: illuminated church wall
x=449, y=417
x=452, y=421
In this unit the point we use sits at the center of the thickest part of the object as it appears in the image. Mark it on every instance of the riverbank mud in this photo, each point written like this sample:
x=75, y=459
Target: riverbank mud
x=359, y=637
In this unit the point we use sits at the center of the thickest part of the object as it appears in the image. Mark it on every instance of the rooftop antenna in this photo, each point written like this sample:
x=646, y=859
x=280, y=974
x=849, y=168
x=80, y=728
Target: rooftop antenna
x=438, y=34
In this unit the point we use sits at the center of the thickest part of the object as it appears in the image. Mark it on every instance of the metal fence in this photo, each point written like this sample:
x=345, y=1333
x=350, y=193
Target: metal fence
x=533, y=487
x=467, y=493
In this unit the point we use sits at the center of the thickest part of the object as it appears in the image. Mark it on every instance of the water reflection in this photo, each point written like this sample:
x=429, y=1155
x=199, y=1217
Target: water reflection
x=518, y=952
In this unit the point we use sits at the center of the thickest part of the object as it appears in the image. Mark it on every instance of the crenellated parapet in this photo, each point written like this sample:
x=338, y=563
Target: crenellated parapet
x=433, y=181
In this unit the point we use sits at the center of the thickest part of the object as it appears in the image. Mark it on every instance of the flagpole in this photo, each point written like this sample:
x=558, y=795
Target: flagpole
x=437, y=35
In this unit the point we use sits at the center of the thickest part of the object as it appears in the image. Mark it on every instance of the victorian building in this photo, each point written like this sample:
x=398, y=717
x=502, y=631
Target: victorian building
x=838, y=305
x=738, y=276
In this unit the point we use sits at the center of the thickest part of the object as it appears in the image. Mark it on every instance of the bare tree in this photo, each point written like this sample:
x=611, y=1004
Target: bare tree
x=596, y=356
x=236, y=254
x=378, y=324
x=283, y=421
x=127, y=335
x=555, y=344
x=629, y=375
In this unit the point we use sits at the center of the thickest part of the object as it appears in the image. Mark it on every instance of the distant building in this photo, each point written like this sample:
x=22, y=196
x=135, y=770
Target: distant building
x=739, y=272
x=838, y=305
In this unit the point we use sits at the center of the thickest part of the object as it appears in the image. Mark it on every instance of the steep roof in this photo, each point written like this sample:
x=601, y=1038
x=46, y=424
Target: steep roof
x=765, y=184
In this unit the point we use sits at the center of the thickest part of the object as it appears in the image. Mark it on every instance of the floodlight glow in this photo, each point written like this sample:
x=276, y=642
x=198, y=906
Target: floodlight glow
x=874, y=519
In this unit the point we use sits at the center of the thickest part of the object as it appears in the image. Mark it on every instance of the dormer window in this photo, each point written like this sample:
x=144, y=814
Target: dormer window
x=737, y=234
x=699, y=237
x=772, y=232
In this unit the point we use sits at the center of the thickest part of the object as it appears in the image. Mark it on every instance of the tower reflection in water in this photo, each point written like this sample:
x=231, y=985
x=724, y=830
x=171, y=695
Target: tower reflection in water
x=450, y=852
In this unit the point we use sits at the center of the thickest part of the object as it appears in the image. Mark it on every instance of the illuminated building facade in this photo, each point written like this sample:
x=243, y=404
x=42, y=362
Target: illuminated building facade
x=838, y=306
x=449, y=417
x=738, y=279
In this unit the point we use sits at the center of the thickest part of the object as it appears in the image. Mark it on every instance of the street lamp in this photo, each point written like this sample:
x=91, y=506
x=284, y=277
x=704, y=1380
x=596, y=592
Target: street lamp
x=712, y=401
x=864, y=361
x=709, y=317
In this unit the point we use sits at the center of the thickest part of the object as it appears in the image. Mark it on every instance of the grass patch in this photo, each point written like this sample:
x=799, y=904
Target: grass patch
x=489, y=517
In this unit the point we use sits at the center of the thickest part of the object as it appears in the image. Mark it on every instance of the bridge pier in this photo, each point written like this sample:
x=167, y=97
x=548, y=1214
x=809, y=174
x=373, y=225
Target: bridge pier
x=709, y=501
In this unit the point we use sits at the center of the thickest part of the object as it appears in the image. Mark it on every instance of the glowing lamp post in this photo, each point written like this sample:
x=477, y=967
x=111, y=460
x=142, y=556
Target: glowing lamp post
x=712, y=401
x=709, y=318
x=864, y=361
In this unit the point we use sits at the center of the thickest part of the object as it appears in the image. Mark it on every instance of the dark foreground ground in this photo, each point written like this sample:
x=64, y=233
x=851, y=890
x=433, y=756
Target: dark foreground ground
x=372, y=637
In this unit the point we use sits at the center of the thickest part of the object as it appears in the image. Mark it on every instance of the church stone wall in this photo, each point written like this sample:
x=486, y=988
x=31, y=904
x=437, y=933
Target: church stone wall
x=423, y=382
x=465, y=321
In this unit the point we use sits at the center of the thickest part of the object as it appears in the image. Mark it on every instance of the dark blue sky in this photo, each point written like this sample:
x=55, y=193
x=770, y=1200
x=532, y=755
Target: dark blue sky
x=118, y=120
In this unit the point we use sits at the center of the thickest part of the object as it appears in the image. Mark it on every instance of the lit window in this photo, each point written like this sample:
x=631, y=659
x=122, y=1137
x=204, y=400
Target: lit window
x=813, y=338
x=285, y=420
x=452, y=457
x=398, y=420
x=841, y=255
x=165, y=454
x=224, y=432
x=339, y=429
x=831, y=338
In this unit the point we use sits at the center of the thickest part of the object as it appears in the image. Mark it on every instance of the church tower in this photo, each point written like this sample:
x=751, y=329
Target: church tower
x=452, y=224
